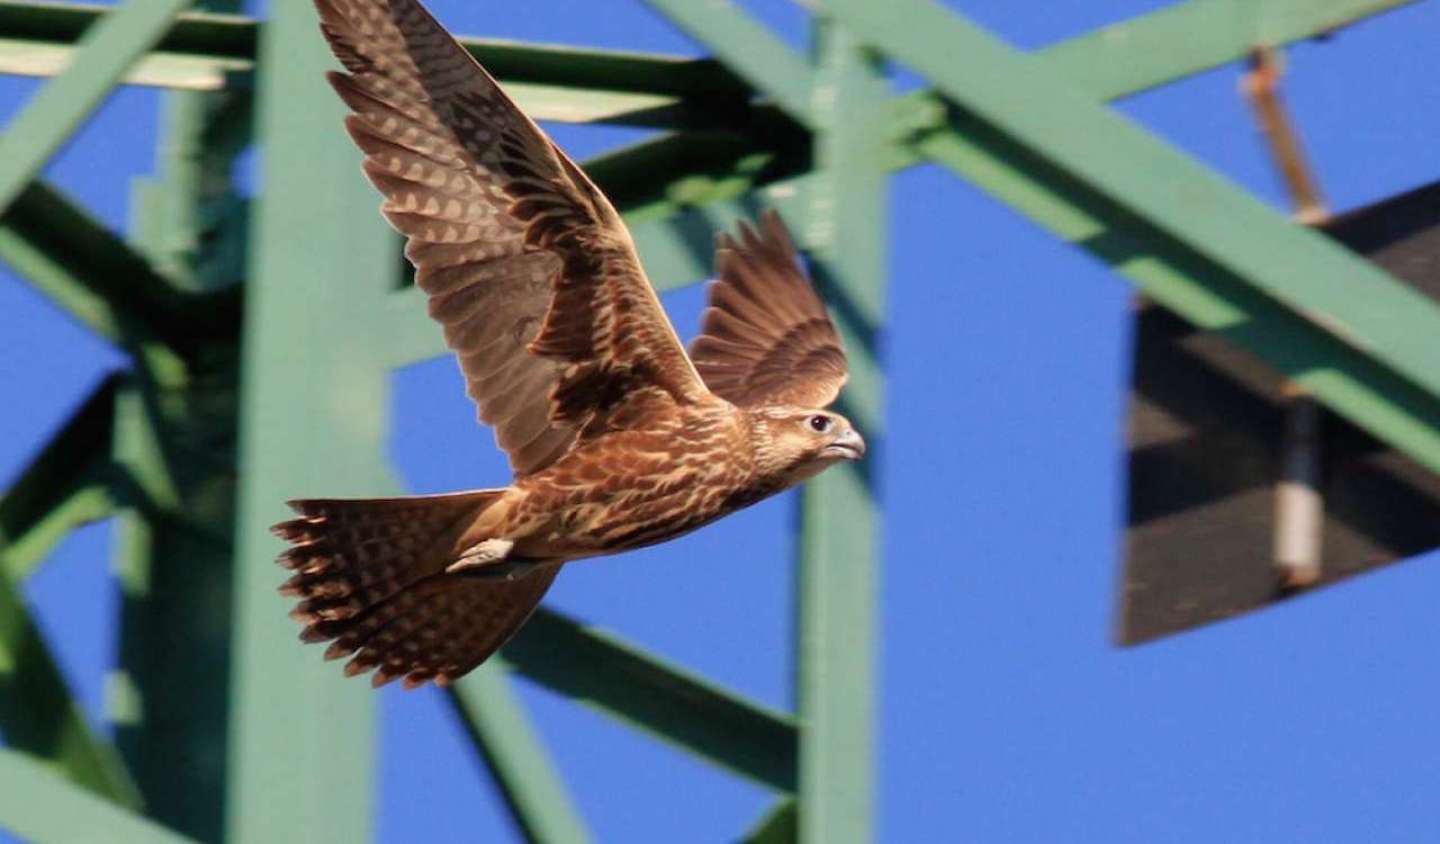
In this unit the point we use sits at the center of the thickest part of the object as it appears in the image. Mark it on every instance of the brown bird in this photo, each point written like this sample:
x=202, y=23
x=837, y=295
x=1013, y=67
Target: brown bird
x=617, y=438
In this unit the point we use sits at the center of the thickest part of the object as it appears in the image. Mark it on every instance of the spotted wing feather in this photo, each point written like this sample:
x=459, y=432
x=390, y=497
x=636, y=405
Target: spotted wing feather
x=766, y=338
x=526, y=264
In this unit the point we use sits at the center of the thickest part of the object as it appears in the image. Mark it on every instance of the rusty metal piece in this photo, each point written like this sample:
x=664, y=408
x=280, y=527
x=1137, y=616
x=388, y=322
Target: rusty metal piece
x=1261, y=86
x=1299, y=506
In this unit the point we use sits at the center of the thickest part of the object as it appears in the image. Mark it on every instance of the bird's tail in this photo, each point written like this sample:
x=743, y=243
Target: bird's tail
x=370, y=574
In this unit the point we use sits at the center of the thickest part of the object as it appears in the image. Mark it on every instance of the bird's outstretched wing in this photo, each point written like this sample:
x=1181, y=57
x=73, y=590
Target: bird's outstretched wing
x=765, y=337
x=526, y=264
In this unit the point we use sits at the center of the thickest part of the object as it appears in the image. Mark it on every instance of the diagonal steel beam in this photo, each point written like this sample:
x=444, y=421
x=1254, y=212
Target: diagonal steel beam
x=1136, y=55
x=1317, y=279
x=1198, y=245
x=103, y=283
x=779, y=825
x=673, y=233
x=666, y=701
x=1186, y=38
x=64, y=486
x=40, y=717
x=747, y=47
x=115, y=42
x=533, y=790
x=36, y=805
x=39, y=506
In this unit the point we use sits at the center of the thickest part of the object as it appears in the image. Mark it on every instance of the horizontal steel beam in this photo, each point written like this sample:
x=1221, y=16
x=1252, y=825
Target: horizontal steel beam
x=101, y=58
x=207, y=51
x=619, y=679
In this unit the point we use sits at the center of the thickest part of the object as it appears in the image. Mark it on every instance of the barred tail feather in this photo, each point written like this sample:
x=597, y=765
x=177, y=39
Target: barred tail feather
x=370, y=574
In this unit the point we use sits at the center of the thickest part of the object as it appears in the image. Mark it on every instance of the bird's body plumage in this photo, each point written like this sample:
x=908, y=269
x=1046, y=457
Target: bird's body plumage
x=617, y=437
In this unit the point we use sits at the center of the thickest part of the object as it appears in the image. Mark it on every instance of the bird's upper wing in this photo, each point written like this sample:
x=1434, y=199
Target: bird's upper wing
x=765, y=337
x=526, y=264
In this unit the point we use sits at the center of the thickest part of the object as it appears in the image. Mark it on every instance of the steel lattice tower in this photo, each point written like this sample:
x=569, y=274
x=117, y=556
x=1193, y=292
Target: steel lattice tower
x=218, y=420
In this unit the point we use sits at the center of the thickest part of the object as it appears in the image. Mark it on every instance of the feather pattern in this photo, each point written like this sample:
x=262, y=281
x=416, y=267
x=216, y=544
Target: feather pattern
x=371, y=576
x=765, y=338
x=615, y=439
x=527, y=265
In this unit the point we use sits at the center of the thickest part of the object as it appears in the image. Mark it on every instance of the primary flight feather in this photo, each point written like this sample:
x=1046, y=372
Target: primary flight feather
x=617, y=438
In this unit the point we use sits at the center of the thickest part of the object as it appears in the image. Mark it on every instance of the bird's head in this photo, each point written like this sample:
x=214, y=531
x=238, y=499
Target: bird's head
x=798, y=443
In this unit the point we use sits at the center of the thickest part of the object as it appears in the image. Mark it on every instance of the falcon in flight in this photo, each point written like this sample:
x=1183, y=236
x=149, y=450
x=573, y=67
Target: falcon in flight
x=618, y=439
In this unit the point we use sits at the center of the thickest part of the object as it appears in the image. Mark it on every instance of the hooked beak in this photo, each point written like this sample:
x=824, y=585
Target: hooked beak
x=849, y=445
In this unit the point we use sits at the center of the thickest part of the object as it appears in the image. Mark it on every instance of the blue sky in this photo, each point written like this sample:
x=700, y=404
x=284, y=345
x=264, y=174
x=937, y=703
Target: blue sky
x=1004, y=712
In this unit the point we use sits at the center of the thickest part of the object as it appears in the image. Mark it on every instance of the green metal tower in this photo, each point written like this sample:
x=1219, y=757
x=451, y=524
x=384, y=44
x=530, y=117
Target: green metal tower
x=218, y=421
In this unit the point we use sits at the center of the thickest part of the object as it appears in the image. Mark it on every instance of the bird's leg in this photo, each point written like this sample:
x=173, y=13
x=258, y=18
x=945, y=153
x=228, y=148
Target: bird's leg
x=483, y=555
x=508, y=570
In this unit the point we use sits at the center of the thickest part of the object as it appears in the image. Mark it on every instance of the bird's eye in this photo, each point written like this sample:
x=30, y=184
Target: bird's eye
x=819, y=424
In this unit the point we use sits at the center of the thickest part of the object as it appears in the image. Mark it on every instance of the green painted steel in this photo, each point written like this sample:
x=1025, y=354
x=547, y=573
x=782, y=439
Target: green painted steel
x=94, y=276
x=117, y=40
x=174, y=448
x=39, y=716
x=206, y=51
x=538, y=801
x=673, y=233
x=1312, y=337
x=1157, y=48
x=175, y=439
x=1317, y=279
x=597, y=669
x=311, y=400
x=63, y=487
x=1346, y=379
x=36, y=805
x=779, y=825
x=746, y=46
x=85, y=503
x=72, y=463
x=1188, y=37
x=845, y=231
x=313, y=417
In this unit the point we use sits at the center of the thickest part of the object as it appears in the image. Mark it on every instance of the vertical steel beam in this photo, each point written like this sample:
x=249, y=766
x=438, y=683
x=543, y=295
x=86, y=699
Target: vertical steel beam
x=115, y=42
x=169, y=694
x=534, y=793
x=175, y=555
x=845, y=232
x=188, y=216
x=312, y=422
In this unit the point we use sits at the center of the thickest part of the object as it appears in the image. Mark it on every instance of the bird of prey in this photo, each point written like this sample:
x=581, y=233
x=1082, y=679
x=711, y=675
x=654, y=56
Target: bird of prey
x=617, y=438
